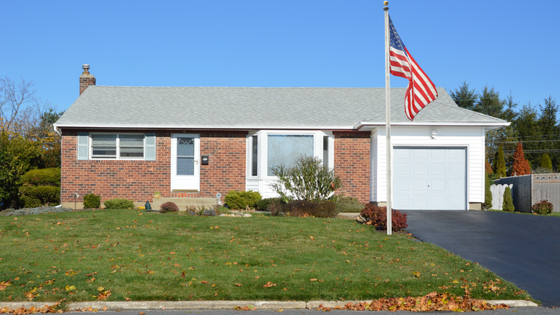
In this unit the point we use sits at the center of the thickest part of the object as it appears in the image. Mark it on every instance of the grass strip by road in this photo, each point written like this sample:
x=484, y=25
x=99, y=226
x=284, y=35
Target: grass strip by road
x=134, y=255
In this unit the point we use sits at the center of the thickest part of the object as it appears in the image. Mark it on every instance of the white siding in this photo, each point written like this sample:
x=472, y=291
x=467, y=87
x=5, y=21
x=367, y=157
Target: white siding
x=471, y=138
x=373, y=165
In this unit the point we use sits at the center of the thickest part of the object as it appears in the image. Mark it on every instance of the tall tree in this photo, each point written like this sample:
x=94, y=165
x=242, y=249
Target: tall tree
x=489, y=103
x=520, y=164
x=549, y=129
x=527, y=130
x=15, y=101
x=464, y=96
x=546, y=162
x=500, y=163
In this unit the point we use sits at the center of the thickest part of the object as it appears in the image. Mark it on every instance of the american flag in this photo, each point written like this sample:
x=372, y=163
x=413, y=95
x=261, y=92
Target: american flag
x=421, y=90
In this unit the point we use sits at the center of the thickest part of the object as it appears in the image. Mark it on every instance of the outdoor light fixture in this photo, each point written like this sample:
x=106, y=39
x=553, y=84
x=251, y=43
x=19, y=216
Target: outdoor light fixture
x=434, y=134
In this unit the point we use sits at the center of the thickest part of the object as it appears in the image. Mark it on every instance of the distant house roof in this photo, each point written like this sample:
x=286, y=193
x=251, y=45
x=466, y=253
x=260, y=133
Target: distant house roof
x=256, y=108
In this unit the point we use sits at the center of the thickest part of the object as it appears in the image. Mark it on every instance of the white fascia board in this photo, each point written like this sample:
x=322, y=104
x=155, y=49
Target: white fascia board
x=489, y=126
x=241, y=127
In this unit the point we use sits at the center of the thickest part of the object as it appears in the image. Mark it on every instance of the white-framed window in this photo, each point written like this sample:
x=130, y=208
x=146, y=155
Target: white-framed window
x=116, y=146
x=267, y=149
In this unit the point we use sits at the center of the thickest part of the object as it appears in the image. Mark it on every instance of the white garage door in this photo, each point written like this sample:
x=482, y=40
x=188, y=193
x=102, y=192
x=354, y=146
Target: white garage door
x=429, y=179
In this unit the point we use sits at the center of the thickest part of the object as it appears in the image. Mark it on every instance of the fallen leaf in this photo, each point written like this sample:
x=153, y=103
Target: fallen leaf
x=239, y=284
x=311, y=237
x=269, y=284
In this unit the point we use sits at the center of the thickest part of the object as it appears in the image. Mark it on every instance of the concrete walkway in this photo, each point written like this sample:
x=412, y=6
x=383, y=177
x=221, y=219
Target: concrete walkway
x=523, y=249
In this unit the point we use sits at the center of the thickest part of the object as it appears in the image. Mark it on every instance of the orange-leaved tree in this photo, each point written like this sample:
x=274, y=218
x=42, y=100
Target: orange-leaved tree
x=520, y=164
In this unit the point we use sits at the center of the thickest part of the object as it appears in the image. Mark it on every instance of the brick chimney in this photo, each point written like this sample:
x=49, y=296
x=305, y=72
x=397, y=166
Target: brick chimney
x=86, y=79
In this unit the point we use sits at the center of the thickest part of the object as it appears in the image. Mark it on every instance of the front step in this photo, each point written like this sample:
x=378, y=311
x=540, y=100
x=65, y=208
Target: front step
x=182, y=203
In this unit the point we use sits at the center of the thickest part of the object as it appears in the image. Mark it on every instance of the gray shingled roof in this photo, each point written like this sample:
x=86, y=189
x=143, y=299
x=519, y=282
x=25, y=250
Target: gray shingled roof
x=254, y=108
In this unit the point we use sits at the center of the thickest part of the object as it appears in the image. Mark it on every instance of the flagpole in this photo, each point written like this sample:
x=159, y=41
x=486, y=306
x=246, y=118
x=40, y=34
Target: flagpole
x=388, y=121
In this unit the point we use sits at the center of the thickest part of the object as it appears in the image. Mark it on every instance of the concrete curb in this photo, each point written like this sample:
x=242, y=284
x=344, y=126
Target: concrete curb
x=215, y=305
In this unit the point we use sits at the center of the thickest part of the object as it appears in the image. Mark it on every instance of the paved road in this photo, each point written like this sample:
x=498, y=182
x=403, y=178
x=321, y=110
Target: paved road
x=523, y=249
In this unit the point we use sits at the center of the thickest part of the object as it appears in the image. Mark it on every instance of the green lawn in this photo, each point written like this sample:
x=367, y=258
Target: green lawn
x=130, y=254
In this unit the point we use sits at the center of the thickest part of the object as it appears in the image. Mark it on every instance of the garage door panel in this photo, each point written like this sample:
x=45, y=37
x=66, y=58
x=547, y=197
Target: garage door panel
x=403, y=170
x=430, y=178
x=419, y=201
x=420, y=169
x=438, y=185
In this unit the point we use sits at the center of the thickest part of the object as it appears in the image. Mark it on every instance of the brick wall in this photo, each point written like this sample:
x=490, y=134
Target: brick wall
x=138, y=180
x=227, y=161
x=131, y=179
x=352, y=164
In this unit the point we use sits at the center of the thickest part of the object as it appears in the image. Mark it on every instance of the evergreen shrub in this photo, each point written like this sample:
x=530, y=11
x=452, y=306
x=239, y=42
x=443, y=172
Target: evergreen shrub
x=45, y=194
x=118, y=203
x=92, y=201
x=42, y=177
x=508, y=201
x=264, y=203
x=242, y=199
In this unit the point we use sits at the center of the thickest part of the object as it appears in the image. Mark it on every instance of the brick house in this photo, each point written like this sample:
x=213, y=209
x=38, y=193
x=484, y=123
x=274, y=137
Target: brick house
x=195, y=142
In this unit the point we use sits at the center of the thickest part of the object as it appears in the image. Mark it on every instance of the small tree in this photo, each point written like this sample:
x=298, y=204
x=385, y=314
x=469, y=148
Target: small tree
x=487, y=193
x=546, y=162
x=520, y=164
x=488, y=167
x=508, y=201
x=309, y=180
x=500, y=163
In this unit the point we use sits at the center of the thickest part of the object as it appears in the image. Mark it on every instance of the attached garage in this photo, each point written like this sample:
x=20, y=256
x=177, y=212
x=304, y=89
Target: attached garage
x=430, y=178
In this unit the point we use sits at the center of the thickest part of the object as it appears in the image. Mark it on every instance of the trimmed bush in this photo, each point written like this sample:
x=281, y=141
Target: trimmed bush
x=30, y=202
x=544, y=207
x=168, y=207
x=305, y=208
x=242, y=199
x=487, y=193
x=92, y=201
x=45, y=194
x=118, y=203
x=348, y=204
x=42, y=177
x=507, y=205
x=263, y=204
x=377, y=216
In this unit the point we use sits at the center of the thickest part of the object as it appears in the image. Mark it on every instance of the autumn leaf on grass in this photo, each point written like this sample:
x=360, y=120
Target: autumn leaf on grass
x=269, y=284
x=204, y=282
x=4, y=284
x=31, y=294
x=312, y=280
x=416, y=274
x=239, y=284
x=176, y=265
x=103, y=294
x=312, y=237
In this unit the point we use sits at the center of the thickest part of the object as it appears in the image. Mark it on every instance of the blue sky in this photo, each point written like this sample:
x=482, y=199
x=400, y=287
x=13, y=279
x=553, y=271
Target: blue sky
x=509, y=45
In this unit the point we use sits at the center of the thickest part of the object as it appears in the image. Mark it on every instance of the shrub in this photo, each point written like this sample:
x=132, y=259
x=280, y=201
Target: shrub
x=92, y=201
x=118, y=203
x=507, y=205
x=42, y=177
x=30, y=202
x=304, y=208
x=377, y=216
x=348, y=204
x=309, y=180
x=242, y=199
x=264, y=203
x=45, y=194
x=544, y=207
x=487, y=193
x=168, y=207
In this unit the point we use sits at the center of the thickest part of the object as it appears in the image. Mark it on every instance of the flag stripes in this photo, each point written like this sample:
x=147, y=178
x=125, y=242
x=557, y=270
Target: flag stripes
x=421, y=90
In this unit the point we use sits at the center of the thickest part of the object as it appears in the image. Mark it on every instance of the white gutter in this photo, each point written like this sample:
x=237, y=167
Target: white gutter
x=243, y=127
x=362, y=124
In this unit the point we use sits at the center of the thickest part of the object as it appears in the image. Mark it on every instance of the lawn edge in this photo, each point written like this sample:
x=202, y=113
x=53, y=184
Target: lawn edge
x=184, y=305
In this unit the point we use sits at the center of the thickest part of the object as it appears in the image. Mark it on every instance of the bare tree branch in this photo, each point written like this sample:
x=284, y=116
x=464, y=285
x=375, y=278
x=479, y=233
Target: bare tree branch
x=15, y=98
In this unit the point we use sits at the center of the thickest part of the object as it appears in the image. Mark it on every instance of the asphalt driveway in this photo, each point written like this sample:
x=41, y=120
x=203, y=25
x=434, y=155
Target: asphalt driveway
x=523, y=249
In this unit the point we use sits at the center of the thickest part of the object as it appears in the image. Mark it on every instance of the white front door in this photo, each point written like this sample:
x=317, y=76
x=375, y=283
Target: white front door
x=185, y=165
